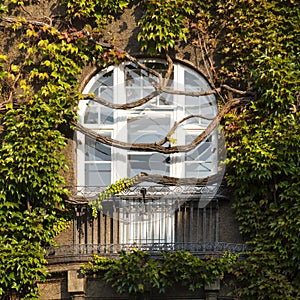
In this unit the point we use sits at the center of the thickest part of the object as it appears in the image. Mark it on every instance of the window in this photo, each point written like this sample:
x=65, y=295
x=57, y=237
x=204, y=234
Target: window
x=100, y=165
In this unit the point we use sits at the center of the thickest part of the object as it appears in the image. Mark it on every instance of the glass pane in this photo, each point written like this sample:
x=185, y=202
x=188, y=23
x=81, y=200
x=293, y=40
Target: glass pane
x=149, y=163
x=91, y=115
x=144, y=129
x=195, y=82
x=198, y=170
x=95, y=151
x=106, y=79
x=208, y=107
x=103, y=87
x=133, y=94
x=202, y=153
x=192, y=101
x=106, y=93
x=106, y=116
x=200, y=106
x=97, y=174
x=191, y=79
x=98, y=114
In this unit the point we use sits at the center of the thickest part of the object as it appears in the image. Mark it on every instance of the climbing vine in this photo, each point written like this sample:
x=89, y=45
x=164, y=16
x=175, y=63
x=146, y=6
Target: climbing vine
x=258, y=45
x=135, y=272
x=117, y=187
x=262, y=49
x=39, y=99
x=164, y=24
x=99, y=11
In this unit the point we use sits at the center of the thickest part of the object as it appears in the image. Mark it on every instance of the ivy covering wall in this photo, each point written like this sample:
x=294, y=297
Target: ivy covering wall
x=261, y=49
x=257, y=45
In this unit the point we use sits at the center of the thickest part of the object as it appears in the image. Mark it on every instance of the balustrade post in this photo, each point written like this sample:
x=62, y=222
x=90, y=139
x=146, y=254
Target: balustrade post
x=212, y=290
x=76, y=285
x=78, y=297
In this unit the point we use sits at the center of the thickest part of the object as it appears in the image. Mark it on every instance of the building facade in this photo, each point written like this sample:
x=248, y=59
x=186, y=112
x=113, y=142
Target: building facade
x=149, y=216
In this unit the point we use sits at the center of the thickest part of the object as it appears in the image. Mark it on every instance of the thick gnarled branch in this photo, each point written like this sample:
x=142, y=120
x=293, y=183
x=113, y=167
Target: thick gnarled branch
x=77, y=198
x=158, y=147
x=158, y=91
x=175, y=181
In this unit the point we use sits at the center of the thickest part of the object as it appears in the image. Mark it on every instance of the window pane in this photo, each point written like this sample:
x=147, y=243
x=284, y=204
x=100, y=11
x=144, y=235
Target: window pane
x=195, y=82
x=145, y=129
x=95, y=151
x=98, y=114
x=103, y=86
x=203, y=106
x=149, y=163
x=97, y=174
x=203, y=152
x=198, y=170
x=106, y=116
x=106, y=79
x=133, y=94
x=106, y=93
x=91, y=115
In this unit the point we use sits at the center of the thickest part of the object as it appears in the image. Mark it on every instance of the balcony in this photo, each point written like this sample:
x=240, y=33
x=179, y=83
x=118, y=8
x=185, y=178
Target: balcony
x=149, y=218
x=82, y=252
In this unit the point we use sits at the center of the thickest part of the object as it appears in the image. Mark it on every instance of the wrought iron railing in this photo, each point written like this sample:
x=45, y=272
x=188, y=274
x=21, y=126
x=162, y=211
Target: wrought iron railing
x=84, y=194
x=84, y=251
x=161, y=219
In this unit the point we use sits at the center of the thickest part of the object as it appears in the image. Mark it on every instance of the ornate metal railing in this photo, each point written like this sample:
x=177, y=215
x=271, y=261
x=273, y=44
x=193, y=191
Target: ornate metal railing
x=149, y=218
x=83, y=252
x=84, y=194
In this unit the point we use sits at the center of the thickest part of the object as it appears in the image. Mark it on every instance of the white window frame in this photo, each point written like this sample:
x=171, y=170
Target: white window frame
x=129, y=230
x=118, y=129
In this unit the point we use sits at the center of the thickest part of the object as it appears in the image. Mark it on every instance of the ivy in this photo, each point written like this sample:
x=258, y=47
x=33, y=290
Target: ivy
x=164, y=23
x=263, y=143
x=40, y=105
x=135, y=272
x=113, y=189
x=99, y=11
x=258, y=43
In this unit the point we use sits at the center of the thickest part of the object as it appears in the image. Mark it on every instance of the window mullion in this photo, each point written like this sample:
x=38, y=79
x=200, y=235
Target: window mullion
x=80, y=141
x=177, y=167
x=119, y=156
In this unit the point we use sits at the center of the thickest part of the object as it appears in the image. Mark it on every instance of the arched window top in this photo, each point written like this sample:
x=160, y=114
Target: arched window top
x=128, y=83
x=100, y=164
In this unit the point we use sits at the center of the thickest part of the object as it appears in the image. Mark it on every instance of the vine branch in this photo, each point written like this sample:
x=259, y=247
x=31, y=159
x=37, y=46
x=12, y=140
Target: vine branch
x=156, y=179
x=158, y=147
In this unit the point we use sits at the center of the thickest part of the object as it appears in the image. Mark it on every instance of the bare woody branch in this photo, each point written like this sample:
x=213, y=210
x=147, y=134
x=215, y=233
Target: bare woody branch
x=75, y=198
x=175, y=181
x=124, y=106
x=158, y=91
x=176, y=124
x=169, y=72
x=146, y=99
x=158, y=147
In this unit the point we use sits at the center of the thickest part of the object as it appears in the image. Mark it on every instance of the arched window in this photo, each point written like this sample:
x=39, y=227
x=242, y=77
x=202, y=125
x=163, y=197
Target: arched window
x=158, y=220
x=100, y=165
